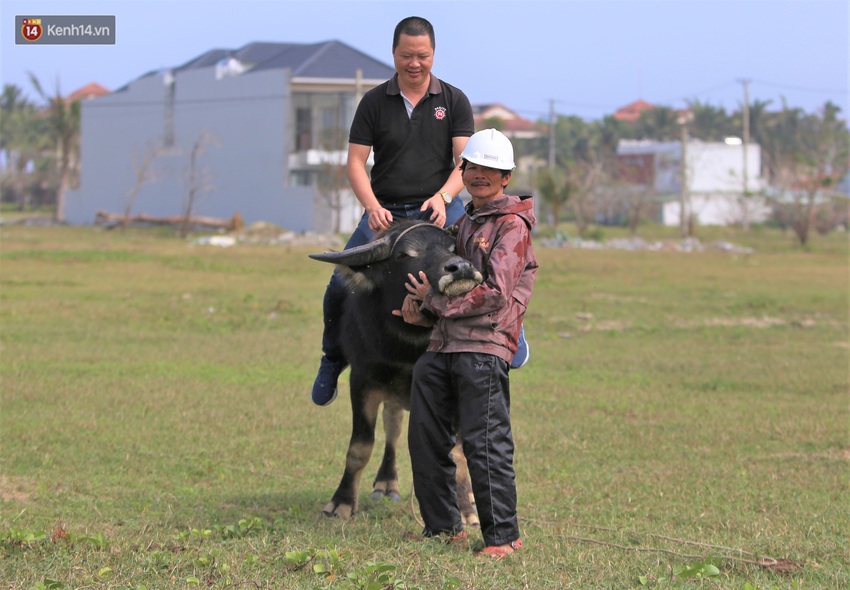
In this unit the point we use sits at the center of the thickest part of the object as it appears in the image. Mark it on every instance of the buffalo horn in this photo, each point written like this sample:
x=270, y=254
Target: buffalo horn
x=359, y=255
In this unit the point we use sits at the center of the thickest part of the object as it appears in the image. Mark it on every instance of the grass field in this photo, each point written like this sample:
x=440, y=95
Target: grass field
x=683, y=422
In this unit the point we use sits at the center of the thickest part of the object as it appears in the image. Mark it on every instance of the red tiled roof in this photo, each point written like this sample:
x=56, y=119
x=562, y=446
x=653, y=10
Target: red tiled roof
x=631, y=112
x=90, y=90
x=509, y=121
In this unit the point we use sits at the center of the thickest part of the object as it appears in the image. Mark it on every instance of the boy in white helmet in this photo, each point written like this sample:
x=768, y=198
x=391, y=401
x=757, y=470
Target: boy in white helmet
x=462, y=379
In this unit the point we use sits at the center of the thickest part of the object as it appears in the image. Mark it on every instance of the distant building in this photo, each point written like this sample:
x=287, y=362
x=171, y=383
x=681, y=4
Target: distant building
x=632, y=112
x=714, y=174
x=508, y=122
x=264, y=124
x=89, y=91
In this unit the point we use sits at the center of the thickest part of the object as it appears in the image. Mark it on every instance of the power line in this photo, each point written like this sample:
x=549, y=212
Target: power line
x=802, y=89
x=706, y=91
x=585, y=105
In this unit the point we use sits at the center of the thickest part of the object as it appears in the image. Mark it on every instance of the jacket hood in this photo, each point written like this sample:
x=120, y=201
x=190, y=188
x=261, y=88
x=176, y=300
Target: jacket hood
x=522, y=206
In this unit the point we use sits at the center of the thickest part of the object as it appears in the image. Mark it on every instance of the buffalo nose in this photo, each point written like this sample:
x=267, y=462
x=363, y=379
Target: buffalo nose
x=458, y=264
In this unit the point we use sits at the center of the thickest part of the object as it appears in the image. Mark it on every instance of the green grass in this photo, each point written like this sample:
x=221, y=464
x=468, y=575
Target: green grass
x=157, y=431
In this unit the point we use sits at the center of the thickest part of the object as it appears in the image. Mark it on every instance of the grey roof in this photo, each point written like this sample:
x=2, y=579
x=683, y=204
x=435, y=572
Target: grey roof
x=329, y=59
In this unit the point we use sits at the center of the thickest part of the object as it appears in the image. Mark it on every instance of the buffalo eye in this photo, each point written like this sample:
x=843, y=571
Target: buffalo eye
x=407, y=253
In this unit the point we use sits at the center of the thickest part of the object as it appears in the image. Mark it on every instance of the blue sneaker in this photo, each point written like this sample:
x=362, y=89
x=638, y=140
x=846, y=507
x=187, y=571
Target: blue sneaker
x=522, y=352
x=324, y=387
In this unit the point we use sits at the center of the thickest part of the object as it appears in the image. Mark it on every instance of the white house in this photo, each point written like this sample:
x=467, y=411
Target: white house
x=714, y=179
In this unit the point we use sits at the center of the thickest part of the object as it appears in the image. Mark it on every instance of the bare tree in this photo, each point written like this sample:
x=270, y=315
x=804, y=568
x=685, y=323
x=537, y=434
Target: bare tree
x=199, y=179
x=832, y=214
x=805, y=195
x=332, y=183
x=635, y=201
x=808, y=169
x=585, y=177
x=143, y=172
x=333, y=186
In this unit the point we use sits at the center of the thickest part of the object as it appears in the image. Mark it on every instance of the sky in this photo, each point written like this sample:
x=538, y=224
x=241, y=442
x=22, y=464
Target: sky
x=576, y=57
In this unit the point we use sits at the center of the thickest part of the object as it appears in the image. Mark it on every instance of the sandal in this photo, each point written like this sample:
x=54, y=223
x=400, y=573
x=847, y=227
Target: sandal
x=501, y=551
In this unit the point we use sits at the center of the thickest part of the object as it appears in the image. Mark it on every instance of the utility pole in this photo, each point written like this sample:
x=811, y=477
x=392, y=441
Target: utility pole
x=684, y=205
x=552, y=134
x=746, y=138
x=746, y=144
x=552, y=151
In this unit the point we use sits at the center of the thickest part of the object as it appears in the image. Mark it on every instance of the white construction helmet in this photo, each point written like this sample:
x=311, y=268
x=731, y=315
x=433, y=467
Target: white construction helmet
x=490, y=148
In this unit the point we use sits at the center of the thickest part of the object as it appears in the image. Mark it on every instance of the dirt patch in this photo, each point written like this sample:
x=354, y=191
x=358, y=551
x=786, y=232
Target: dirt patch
x=591, y=324
x=832, y=454
x=15, y=489
x=619, y=298
x=762, y=322
x=606, y=326
x=269, y=233
x=636, y=244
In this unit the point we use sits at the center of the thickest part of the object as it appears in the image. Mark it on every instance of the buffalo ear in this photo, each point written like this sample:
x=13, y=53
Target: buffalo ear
x=356, y=280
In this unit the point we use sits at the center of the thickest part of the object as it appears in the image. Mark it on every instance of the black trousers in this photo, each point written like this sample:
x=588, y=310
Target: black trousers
x=472, y=391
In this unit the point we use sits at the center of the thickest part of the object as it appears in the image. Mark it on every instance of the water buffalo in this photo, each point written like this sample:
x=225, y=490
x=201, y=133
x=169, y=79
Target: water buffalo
x=382, y=349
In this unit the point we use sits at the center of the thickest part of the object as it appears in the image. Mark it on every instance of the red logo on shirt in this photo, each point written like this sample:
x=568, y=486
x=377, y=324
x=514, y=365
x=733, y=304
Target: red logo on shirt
x=440, y=113
x=482, y=242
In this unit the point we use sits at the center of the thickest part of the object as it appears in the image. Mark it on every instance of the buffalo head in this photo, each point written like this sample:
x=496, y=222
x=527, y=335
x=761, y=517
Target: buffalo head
x=408, y=246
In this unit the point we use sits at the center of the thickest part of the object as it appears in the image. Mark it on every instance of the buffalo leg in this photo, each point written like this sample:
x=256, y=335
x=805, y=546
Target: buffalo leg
x=364, y=416
x=465, y=499
x=386, y=481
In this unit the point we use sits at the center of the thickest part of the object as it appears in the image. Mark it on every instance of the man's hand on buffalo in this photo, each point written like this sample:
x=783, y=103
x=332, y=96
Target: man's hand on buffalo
x=411, y=312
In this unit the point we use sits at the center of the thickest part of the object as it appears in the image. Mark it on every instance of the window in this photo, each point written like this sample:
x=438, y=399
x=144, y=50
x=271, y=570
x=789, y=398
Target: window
x=302, y=178
x=303, y=129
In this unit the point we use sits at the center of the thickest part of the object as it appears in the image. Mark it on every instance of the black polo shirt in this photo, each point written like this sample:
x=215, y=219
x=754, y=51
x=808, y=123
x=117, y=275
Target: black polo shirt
x=413, y=156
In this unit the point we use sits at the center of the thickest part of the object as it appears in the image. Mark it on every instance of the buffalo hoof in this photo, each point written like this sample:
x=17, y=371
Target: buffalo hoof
x=470, y=521
x=343, y=511
x=379, y=495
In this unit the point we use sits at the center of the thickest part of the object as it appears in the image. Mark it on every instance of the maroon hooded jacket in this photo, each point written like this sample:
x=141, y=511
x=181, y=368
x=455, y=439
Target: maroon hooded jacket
x=497, y=240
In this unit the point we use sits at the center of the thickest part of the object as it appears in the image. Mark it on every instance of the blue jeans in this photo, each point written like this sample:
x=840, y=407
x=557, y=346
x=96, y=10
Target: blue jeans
x=335, y=291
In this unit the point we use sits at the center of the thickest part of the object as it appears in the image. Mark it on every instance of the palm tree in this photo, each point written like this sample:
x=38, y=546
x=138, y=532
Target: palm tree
x=22, y=141
x=660, y=123
x=63, y=120
x=779, y=138
x=554, y=191
x=709, y=123
x=759, y=120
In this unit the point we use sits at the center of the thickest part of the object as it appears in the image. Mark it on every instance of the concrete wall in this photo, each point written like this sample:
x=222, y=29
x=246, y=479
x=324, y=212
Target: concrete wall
x=244, y=123
x=717, y=167
x=719, y=209
x=711, y=167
